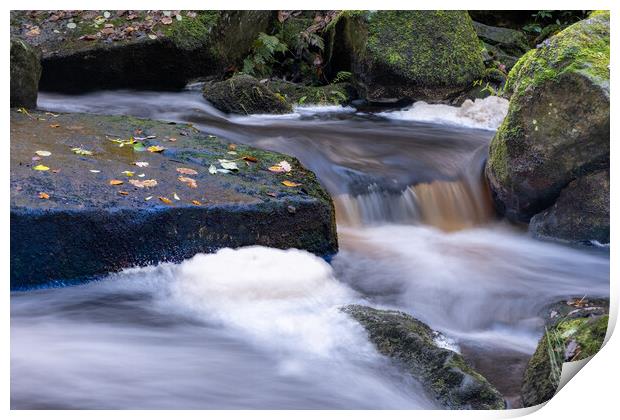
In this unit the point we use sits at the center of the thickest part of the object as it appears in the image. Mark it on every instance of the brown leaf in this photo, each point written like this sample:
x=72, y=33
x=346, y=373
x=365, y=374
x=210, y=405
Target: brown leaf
x=187, y=171
x=196, y=202
x=148, y=183
x=250, y=159
x=166, y=20
x=44, y=196
x=116, y=182
x=123, y=193
x=88, y=37
x=165, y=200
x=189, y=181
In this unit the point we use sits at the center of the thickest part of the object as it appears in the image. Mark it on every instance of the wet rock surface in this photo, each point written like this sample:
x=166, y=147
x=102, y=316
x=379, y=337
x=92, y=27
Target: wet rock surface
x=25, y=74
x=557, y=127
x=574, y=330
x=444, y=372
x=85, y=215
x=98, y=49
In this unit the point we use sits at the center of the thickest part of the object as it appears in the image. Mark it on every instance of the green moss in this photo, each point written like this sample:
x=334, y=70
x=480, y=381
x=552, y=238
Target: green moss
x=334, y=94
x=589, y=333
x=192, y=33
x=582, y=47
x=432, y=48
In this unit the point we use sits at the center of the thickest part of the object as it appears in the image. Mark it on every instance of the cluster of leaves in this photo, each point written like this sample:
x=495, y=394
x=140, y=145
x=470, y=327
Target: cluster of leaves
x=263, y=56
x=561, y=18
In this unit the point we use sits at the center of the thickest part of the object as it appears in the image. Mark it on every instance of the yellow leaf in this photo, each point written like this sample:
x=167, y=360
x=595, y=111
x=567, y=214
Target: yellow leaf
x=127, y=173
x=165, y=200
x=290, y=183
x=41, y=168
x=80, y=151
x=276, y=169
x=116, y=182
x=196, y=202
x=44, y=196
x=155, y=149
x=186, y=171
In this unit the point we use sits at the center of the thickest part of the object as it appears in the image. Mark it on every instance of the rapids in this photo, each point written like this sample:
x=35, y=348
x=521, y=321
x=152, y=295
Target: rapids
x=260, y=328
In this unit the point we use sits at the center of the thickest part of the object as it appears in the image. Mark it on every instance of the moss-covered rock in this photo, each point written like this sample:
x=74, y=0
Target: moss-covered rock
x=84, y=226
x=580, y=214
x=243, y=94
x=557, y=126
x=412, y=343
x=141, y=49
x=511, y=41
x=575, y=330
x=428, y=55
x=299, y=94
x=25, y=74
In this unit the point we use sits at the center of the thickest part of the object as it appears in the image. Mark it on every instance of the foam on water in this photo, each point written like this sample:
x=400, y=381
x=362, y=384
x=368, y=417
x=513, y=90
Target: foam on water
x=487, y=113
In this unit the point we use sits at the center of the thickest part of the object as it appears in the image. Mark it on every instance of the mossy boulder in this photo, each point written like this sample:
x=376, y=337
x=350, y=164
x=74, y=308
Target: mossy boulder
x=580, y=214
x=413, y=55
x=244, y=94
x=25, y=74
x=69, y=222
x=444, y=372
x=299, y=94
x=557, y=126
x=94, y=49
x=575, y=329
x=501, y=45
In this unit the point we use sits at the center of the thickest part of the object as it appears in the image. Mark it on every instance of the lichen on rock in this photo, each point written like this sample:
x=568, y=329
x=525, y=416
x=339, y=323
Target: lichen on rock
x=25, y=74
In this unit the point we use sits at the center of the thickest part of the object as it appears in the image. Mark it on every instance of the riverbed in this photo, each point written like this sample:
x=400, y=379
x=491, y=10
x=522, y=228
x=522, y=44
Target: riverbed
x=260, y=328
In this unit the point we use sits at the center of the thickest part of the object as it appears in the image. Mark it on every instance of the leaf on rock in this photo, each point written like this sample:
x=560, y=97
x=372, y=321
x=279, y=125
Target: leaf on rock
x=228, y=164
x=288, y=183
x=276, y=169
x=54, y=125
x=43, y=153
x=123, y=193
x=187, y=171
x=139, y=147
x=141, y=164
x=41, y=168
x=250, y=159
x=166, y=20
x=285, y=165
x=95, y=171
x=156, y=149
x=189, y=181
x=148, y=198
x=80, y=151
x=44, y=196
x=165, y=200
x=212, y=169
x=176, y=197
x=128, y=173
x=116, y=182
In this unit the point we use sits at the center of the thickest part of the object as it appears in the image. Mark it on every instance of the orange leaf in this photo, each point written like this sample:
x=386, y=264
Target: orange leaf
x=189, y=181
x=290, y=183
x=196, y=202
x=116, y=182
x=250, y=159
x=44, y=196
x=165, y=200
x=277, y=169
x=123, y=193
x=187, y=171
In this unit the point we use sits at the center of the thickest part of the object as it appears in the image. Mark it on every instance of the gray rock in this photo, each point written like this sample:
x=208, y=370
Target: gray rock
x=25, y=74
x=445, y=373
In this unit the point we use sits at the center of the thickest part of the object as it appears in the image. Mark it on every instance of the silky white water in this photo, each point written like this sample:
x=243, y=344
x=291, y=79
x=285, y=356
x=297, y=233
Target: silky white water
x=261, y=328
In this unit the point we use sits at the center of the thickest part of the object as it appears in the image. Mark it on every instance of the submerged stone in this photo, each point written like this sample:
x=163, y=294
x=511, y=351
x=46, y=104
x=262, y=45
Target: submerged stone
x=25, y=74
x=85, y=214
x=143, y=49
x=557, y=127
x=444, y=372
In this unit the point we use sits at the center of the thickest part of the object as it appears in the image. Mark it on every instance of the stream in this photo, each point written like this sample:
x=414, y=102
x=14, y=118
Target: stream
x=260, y=328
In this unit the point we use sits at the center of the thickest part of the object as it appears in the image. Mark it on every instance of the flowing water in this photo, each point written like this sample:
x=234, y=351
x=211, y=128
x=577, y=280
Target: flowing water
x=260, y=328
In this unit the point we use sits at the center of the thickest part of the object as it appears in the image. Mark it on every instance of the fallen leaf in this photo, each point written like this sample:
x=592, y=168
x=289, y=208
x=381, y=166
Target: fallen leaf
x=232, y=146
x=123, y=193
x=43, y=153
x=232, y=152
x=156, y=149
x=36, y=31
x=51, y=114
x=228, y=164
x=285, y=165
x=288, y=183
x=141, y=164
x=36, y=158
x=41, y=168
x=165, y=200
x=172, y=139
x=271, y=194
x=128, y=173
x=116, y=182
x=176, y=197
x=148, y=198
x=166, y=20
x=212, y=169
x=54, y=125
x=148, y=183
x=250, y=159
x=224, y=171
x=106, y=15
x=80, y=151
x=71, y=25
x=152, y=36
x=196, y=202
x=95, y=171
x=44, y=196
x=187, y=171
x=281, y=167
x=139, y=147
x=189, y=181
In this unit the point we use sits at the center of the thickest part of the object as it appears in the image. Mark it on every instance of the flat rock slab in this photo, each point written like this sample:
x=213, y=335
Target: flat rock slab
x=89, y=227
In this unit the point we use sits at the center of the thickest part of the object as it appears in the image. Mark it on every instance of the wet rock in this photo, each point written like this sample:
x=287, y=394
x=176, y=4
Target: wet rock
x=136, y=49
x=408, y=55
x=577, y=331
x=299, y=94
x=557, y=127
x=243, y=94
x=84, y=226
x=580, y=214
x=445, y=373
x=25, y=74
x=511, y=41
